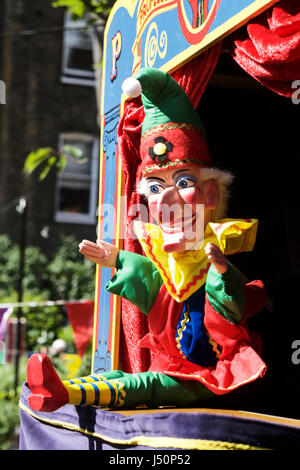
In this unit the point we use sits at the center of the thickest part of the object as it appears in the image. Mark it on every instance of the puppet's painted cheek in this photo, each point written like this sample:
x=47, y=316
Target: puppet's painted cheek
x=153, y=205
x=191, y=195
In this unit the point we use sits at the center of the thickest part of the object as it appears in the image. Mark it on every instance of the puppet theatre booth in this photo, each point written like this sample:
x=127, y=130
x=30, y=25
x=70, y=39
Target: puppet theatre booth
x=238, y=62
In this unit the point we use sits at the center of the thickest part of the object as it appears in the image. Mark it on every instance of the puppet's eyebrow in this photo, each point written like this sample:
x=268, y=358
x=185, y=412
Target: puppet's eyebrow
x=184, y=173
x=184, y=170
x=155, y=178
x=180, y=171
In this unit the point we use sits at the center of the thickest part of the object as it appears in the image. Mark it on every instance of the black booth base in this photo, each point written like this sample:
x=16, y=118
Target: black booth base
x=91, y=428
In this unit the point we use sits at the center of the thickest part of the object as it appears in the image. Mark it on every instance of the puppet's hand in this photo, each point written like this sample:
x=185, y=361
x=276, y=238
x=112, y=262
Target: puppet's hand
x=216, y=258
x=102, y=253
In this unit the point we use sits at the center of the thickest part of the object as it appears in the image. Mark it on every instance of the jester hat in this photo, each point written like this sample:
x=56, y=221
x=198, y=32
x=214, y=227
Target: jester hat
x=173, y=135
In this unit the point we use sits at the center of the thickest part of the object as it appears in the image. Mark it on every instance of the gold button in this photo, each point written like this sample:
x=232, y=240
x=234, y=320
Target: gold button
x=160, y=148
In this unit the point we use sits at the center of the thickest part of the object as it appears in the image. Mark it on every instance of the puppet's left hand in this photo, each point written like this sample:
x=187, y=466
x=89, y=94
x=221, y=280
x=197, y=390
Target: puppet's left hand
x=216, y=258
x=102, y=253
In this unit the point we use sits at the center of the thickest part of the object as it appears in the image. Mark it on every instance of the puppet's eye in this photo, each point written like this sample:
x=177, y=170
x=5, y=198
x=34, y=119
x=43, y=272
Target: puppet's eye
x=155, y=188
x=185, y=182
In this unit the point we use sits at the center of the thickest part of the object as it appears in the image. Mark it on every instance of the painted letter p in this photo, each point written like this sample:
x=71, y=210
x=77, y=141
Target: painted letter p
x=116, y=51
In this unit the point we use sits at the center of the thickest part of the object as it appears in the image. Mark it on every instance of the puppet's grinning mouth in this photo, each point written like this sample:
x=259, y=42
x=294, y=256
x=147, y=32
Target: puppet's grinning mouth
x=179, y=226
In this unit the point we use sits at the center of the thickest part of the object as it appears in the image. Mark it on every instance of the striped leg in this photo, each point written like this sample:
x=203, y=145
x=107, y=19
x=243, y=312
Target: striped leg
x=113, y=389
x=120, y=389
x=98, y=390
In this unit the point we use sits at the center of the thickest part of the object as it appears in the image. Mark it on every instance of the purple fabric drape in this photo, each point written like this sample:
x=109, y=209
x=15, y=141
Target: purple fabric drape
x=5, y=313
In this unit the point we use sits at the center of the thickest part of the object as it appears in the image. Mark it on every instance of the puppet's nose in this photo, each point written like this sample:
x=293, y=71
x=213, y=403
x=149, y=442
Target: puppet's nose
x=170, y=206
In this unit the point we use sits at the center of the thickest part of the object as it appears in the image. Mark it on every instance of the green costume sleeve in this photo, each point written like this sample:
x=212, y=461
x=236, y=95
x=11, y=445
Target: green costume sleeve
x=226, y=293
x=136, y=280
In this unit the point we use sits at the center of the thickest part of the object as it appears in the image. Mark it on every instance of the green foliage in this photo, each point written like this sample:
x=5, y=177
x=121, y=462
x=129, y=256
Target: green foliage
x=9, y=419
x=36, y=280
x=66, y=333
x=73, y=151
x=85, y=367
x=78, y=8
x=7, y=379
x=60, y=368
x=75, y=7
x=43, y=322
x=42, y=325
x=9, y=261
x=72, y=276
x=46, y=159
x=100, y=7
x=9, y=416
x=68, y=276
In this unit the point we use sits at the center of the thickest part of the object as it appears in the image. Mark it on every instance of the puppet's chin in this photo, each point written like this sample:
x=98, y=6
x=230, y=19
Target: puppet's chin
x=178, y=238
x=176, y=242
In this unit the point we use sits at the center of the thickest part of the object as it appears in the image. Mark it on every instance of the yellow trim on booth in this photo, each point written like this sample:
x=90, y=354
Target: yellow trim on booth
x=116, y=320
x=209, y=40
x=218, y=34
x=98, y=268
x=153, y=442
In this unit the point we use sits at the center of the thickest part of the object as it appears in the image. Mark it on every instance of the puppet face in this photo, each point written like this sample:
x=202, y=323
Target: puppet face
x=180, y=203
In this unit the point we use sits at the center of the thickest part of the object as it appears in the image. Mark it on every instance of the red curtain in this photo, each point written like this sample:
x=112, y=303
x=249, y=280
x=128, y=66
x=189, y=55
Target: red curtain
x=268, y=47
x=193, y=77
x=133, y=322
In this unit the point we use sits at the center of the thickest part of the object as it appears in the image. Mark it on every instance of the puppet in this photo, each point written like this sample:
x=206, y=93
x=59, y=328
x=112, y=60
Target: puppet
x=196, y=301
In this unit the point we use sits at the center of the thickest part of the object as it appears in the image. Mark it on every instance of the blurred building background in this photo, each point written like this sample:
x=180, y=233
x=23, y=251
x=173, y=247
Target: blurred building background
x=48, y=67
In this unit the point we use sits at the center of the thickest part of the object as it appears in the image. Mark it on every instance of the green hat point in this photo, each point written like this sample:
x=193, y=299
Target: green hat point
x=164, y=100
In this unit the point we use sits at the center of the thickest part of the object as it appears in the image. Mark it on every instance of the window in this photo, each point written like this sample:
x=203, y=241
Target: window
x=76, y=189
x=77, y=55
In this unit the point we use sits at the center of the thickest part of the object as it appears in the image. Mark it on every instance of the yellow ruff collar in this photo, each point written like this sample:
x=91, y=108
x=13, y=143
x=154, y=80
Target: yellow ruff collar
x=184, y=273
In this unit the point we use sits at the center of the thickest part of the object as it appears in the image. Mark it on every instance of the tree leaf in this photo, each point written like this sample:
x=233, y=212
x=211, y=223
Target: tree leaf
x=77, y=8
x=47, y=168
x=45, y=158
x=61, y=163
x=73, y=151
x=36, y=158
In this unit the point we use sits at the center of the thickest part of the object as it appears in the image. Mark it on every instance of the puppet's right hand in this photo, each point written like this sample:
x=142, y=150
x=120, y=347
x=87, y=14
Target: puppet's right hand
x=216, y=258
x=102, y=253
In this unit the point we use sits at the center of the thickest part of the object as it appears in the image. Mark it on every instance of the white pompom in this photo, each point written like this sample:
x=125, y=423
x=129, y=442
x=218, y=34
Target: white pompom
x=131, y=87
